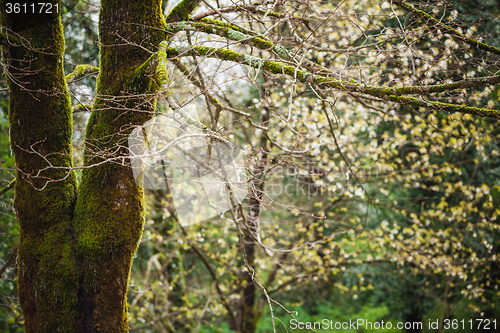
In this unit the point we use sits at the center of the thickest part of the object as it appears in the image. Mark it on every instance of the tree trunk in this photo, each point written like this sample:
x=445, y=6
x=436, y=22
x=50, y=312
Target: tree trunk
x=75, y=252
x=250, y=313
x=40, y=124
x=109, y=214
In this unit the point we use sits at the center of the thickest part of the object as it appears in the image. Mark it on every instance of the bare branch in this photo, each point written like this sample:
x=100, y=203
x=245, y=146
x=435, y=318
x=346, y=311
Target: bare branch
x=446, y=28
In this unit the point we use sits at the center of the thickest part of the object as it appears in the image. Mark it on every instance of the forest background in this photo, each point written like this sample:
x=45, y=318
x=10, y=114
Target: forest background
x=360, y=205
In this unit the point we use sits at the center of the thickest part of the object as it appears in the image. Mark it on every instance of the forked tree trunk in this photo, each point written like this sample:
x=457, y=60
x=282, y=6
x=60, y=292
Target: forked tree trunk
x=76, y=251
x=109, y=214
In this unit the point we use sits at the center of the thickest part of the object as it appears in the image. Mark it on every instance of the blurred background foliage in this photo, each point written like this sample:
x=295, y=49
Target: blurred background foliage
x=407, y=232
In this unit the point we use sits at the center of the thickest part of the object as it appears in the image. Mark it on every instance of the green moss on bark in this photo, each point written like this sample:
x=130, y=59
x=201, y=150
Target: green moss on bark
x=388, y=93
x=181, y=11
x=41, y=129
x=109, y=215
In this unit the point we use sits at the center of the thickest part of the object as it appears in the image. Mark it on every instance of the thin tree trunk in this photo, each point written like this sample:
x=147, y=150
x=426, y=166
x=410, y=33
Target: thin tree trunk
x=249, y=310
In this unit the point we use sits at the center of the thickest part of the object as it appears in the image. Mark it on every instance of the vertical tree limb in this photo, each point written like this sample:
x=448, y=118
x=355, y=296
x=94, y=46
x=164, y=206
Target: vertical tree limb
x=40, y=120
x=109, y=215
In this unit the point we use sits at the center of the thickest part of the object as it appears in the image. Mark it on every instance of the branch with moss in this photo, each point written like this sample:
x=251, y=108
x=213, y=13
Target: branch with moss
x=251, y=38
x=10, y=258
x=80, y=71
x=447, y=107
x=182, y=11
x=161, y=70
x=392, y=94
x=228, y=31
x=229, y=25
x=82, y=108
x=7, y=187
x=446, y=28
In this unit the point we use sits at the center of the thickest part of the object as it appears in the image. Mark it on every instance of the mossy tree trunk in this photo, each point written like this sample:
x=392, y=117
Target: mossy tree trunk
x=76, y=247
x=40, y=132
x=109, y=214
x=76, y=250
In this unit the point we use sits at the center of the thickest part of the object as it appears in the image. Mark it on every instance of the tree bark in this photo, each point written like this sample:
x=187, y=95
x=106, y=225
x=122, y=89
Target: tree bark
x=109, y=215
x=75, y=252
x=40, y=132
x=250, y=313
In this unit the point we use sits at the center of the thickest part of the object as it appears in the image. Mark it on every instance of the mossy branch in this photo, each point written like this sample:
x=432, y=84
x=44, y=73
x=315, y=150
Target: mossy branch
x=387, y=93
x=82, y=108
x=228, y=25
x=182, y=11
x=153, y=68
x=7, y=187
x=447, y=107
x=148, y=67
x=241, y=35
x=161, y=69
x=80, y=71
x=229, y=31
x=446, y=28
x=10, y=259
